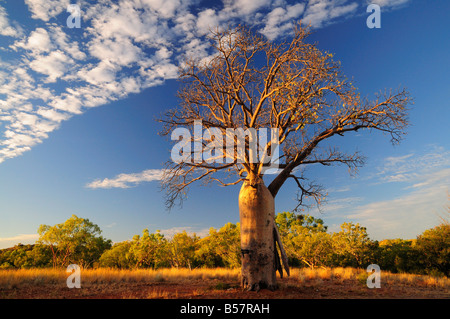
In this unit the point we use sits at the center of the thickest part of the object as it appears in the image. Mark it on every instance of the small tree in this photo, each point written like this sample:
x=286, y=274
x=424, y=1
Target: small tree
x=118, y=256
x=224, y=244
x=434, y=247
x=398, y=255
x=149, y=250
x=77, y=240
x=312, y=247
x=181, y=250
x=291, y=87
x=352, y=245
x=304, y=238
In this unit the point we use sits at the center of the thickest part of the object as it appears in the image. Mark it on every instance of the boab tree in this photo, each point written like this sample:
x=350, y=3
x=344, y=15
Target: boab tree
x=251, y=83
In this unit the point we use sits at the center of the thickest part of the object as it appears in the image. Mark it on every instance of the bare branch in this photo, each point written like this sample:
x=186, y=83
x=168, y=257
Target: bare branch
x=298, y=90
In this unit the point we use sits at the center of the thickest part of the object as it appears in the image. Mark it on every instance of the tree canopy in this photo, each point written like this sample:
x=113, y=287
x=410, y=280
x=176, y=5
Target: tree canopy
x=77, y=240
x=306, y=238
x=290, y=87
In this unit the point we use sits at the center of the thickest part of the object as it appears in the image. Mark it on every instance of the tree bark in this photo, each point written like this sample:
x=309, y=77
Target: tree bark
x=256, y=211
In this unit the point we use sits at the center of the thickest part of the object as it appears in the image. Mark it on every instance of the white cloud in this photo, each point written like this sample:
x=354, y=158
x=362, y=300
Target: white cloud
x=128, y=180
x=6, y=242
x=38, y=41
x=207, y=20
x=46, y=9
x=54, y=65
x=69, y=46
x=121, y=51
x=422, y=181
x=14, y=140
x=427, y=179
x=131, y=85
x=340, y=203
x=388, y=3
x=123, y=47
x=279, y=20
x=322, y=12
x=101, y=73
x=165, y=8
x=5, y=27
x=407, y=215
x=11, y=152
x=339, y=11
x=248, y=11
x=67, y=103
x=339, y=189
x=413, y=167
x=170, y=232
x=245, y=7
x=52, y=114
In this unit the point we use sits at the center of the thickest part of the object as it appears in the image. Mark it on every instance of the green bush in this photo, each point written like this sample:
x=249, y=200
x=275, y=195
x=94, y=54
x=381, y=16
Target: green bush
x=305, y=238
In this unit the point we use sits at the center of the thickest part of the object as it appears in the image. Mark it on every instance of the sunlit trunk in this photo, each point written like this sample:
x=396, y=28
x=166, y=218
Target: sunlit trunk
x=256, y=210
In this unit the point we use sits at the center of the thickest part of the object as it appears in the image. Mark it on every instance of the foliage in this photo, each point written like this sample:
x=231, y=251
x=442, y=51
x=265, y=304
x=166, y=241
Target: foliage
x=398, y=255
x=305, y=239
x=221, y=248
x=118, y=256
x=148, y=250
x=307, y=242
x=25, y=256
x=286, y=220
x=352, y=246
x=311, y=246
x=434, y=248
x=181, y=250
x=77, y=241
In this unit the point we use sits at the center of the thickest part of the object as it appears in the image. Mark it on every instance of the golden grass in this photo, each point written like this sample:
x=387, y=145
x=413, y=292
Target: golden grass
x=340, y=274
x=417, y=280
x=35, y=277
x=321, y=274
x=15, y=278
x=158, y=294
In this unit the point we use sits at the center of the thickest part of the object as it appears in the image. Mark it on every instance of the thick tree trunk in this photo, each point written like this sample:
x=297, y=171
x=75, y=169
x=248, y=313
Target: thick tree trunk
x=259, y=261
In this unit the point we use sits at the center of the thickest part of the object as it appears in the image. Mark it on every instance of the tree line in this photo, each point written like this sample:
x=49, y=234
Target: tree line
x=306, y=239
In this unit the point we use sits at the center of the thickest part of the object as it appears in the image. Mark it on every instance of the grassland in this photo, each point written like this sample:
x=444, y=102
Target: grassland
x=218, y=283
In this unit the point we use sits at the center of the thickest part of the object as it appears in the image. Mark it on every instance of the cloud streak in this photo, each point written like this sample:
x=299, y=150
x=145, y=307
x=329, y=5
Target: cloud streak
x=127, y=180
x=426, y=177
x=6, y=29
x=414, y=167
x=422, y=181
x=407, y=215
x=200, y=232
x=389, y=4
x=14, y=240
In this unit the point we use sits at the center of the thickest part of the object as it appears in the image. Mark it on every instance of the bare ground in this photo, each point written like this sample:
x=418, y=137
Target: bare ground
x=289, y=288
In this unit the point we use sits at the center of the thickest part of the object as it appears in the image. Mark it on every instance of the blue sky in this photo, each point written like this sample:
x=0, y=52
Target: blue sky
x=77, y=112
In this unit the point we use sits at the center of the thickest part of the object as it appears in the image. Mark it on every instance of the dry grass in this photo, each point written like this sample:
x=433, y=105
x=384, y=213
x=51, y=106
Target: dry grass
x=417, y=280
x=320, y=274
x=340, y=274
x=158, y=294
x=17, y=278
x=201, y=283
